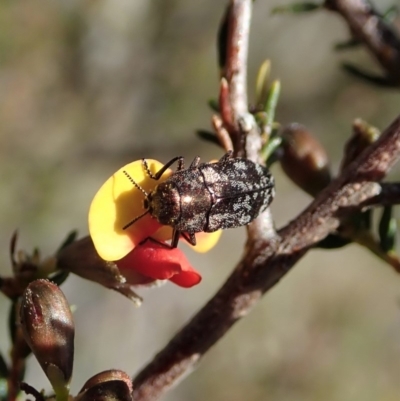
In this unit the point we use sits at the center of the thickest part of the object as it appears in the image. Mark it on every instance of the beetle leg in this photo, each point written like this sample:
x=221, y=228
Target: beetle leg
x=195, y=162
x=226, y=156
x=181, y=164
x=175, y=238
x=157, y=176
x=190, y=237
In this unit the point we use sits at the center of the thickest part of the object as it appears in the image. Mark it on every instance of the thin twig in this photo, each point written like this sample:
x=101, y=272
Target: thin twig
x=368, y=27
x=29, y=390
x=240, y=123
x=368, y=241
x=235, y=71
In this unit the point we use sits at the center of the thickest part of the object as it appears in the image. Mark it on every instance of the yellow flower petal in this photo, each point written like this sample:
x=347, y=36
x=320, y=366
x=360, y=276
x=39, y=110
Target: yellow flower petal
x=117, y=203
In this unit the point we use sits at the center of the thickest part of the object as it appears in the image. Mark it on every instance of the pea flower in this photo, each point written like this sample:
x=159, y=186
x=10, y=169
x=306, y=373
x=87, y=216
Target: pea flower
x=158, y=261
x=115, y=205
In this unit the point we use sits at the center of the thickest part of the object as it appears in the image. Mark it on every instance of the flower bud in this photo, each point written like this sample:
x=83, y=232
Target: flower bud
x=363, y=136
x=111, y=385
x=26, y=268
x=48, y=328
x=304, y=160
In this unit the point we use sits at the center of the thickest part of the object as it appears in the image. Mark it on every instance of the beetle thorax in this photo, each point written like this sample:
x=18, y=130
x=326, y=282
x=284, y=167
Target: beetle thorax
x=164, y=203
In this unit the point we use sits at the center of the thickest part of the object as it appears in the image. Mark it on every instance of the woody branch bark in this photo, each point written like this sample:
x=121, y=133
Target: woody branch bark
x=268, y=255
x=367, y=26
x=235, y=28
x=266, y=261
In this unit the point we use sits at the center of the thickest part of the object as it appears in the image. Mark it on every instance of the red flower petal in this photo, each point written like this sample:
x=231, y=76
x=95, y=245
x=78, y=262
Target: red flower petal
x=158, y=261
x=186, y=279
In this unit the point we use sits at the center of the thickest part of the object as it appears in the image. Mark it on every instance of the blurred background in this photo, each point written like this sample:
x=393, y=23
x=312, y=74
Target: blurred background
x=88, y=86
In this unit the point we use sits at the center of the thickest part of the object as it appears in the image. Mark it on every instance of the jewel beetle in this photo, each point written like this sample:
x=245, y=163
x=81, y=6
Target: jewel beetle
x=207, y=196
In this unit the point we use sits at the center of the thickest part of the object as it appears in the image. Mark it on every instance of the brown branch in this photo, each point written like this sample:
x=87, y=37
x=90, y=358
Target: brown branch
x=368, y=27
x=268, y=255
x=235, y=71
x=239, y=122
x=265, y=262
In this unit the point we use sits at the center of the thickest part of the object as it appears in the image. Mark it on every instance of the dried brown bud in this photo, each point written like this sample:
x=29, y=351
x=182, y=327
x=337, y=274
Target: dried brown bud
x=26, y=268
x=363, y=135
x=111, y=385
x=304, y=160
x=48, y=327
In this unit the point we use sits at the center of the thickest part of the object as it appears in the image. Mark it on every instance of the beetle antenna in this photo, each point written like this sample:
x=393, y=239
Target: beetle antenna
x=135, y=184
x=134, y=220
x=145, y=194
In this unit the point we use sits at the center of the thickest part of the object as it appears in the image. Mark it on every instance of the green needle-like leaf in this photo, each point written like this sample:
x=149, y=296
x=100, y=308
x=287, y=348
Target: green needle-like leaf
x=387, y=230
x=348, y=44
x=213, y=104
x=208, y=136
x=269, y=150
x=272, y=101
x=3, y=367
x=71, y=237
x=390, y=14
x=297, y=8
x=332, y=241
x=262, y=82
x=368, y=77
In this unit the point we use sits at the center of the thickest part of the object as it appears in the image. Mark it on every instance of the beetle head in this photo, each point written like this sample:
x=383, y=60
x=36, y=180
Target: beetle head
x=164, y=203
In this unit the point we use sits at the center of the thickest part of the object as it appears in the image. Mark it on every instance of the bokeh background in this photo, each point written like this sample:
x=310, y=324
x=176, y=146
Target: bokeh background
x=88, y=86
